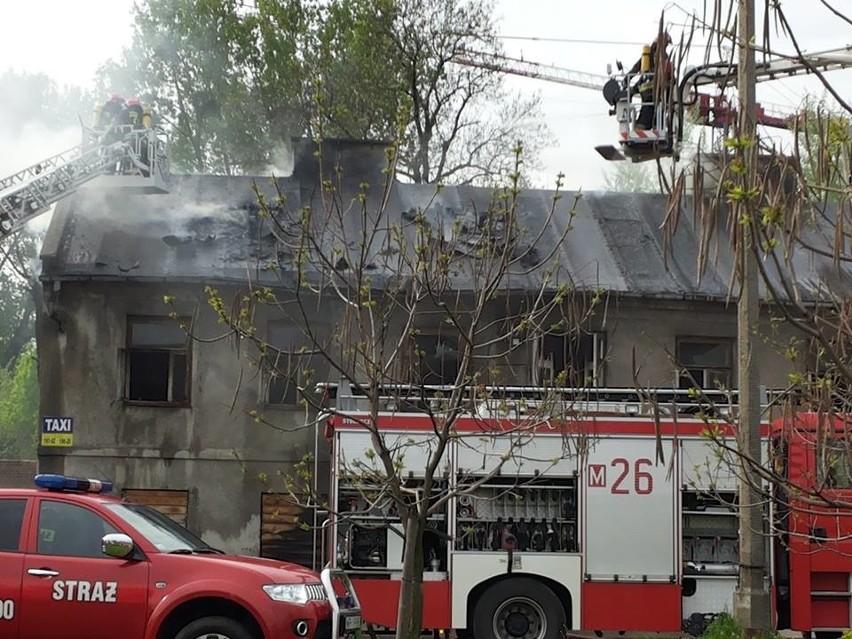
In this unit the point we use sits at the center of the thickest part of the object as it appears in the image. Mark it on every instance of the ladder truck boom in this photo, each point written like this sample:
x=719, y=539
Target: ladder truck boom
x=126, y=156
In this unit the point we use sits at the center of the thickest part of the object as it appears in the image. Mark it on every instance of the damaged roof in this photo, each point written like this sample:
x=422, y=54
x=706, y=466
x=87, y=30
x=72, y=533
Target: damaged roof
x=207, y=228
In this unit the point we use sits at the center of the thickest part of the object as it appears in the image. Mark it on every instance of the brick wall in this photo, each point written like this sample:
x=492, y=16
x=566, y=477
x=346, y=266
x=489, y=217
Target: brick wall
x=17, y=473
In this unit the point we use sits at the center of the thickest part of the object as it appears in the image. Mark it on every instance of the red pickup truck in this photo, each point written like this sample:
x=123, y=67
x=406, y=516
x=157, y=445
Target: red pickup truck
x=78, y=564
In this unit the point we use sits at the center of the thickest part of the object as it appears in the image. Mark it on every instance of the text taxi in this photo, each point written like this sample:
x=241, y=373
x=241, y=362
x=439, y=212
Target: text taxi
x=77, y=564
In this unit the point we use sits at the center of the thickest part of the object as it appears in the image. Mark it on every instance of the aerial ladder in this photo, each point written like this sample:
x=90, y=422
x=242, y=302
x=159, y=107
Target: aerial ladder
x=132, y=157
x=664, y=137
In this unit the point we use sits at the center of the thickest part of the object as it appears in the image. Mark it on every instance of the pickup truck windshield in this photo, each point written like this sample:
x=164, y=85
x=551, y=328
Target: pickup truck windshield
x=165, y=534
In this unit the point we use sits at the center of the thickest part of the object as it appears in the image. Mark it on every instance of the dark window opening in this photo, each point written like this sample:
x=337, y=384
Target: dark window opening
x=11, y=521
x=436, y=359
x=705, y=363
x=571, y=360
x=157, y=362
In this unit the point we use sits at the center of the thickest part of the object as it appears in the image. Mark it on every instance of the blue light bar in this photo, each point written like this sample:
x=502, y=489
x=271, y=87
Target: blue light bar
x=61, y=482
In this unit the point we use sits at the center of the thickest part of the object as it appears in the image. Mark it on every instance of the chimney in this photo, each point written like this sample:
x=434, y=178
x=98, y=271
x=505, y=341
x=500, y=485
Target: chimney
x=361, y=160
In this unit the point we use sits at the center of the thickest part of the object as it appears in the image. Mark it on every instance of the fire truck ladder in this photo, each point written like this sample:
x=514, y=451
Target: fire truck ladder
x=136, y=160
x=721, y=74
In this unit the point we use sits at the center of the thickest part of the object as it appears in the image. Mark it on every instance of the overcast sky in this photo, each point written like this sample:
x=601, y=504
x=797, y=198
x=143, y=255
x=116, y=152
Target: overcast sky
x=69, y=39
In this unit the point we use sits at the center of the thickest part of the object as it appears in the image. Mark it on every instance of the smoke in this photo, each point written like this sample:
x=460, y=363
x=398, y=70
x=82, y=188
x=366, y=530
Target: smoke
x=282, y=161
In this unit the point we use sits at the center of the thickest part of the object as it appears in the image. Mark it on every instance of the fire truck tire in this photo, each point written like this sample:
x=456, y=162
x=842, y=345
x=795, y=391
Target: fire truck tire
x=518, y=608
x=214, y=628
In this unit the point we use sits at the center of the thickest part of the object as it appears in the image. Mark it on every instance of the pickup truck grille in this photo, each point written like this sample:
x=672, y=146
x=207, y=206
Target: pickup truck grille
x=316, y=592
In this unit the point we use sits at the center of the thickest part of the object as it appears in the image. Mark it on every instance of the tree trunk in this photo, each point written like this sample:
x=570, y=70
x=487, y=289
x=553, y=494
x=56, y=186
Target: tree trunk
x=410, y=614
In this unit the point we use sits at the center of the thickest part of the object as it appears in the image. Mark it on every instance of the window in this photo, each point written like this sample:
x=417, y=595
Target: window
x=157, y=362
x=11, y=520
x=435, y=359
x=707, y=363
x=289, y=363
x=70, y=531
x=834, y=463
x=572, y=360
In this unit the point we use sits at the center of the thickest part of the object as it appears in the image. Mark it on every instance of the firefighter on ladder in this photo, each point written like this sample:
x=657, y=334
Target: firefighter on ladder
x=654, y=71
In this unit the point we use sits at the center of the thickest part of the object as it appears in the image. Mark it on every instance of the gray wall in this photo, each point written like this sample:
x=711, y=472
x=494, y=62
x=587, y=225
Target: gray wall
x=212, y=449
x=81, y=334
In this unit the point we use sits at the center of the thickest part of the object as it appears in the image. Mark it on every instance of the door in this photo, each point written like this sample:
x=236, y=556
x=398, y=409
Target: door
x=11, y=563
x=71, y=590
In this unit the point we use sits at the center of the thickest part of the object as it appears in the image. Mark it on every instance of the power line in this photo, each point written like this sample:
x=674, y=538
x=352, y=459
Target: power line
x=569, y=40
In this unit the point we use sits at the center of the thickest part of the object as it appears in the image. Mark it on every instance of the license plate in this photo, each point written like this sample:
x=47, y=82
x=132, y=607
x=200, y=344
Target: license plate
x=352, y=622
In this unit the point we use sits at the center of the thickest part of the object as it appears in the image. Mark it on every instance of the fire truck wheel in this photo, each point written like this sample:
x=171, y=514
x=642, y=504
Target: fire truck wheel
x=214, y=628
x=518, y=608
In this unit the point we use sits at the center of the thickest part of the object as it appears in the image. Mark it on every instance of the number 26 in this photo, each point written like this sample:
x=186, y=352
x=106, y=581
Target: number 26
x=643, y=481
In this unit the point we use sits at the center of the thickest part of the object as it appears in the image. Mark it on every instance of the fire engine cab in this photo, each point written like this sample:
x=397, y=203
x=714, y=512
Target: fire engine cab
x=609, y=519
x=78, y=564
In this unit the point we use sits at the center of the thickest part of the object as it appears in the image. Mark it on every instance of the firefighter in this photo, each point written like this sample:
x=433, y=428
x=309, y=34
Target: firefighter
x=651, y=85
x=110, y=112
x=134, y=111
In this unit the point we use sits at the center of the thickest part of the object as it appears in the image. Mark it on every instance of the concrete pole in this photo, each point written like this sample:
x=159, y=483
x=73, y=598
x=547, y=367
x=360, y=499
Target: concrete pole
x=751, y=599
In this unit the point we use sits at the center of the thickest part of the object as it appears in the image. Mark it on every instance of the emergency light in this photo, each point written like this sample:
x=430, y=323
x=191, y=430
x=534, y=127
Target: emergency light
x=61, y=482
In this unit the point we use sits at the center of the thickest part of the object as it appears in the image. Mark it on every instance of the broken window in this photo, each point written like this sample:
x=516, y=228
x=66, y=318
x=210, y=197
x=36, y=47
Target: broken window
x=157, y=361
x=574, y=360
x=288, y=363
x=435, y=357
x=705, y=363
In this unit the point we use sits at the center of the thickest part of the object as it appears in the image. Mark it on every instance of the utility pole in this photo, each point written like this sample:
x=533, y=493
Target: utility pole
x=751, y=599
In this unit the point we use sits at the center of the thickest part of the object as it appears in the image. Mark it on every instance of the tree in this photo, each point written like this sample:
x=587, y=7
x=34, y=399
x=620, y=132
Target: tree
x=188, y=58
x=19, y=406
x=236, y=82
x=461, y=119
x=378, y=278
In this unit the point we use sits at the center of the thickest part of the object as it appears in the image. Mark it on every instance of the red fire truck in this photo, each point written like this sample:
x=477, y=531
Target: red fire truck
x=604, y=536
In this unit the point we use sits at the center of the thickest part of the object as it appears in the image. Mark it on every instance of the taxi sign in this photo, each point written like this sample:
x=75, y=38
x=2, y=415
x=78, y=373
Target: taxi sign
x=57, y=431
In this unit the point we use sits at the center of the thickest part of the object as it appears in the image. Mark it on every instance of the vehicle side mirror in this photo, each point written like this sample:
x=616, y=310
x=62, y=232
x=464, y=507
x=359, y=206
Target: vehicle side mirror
x=619, y=65
x=117, y=545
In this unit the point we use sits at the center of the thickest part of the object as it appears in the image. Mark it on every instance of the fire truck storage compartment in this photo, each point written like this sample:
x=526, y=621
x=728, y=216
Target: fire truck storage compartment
x=629, y=510
x=515, y=513
x=370, y=534
x=709, y=557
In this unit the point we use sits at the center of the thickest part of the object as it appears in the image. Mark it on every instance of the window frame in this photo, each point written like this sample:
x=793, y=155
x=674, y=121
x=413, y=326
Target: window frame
x=187, y=351
x=37, y=519
x=598, y=357
x=415, y=374
x=680, y=378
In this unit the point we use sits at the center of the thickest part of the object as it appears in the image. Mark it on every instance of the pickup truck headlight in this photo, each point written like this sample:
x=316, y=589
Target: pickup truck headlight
x=292, y=593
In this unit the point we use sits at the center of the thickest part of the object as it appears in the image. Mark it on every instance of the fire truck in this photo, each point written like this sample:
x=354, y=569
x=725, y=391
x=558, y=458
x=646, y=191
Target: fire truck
x=620, y=516
x=111, y=155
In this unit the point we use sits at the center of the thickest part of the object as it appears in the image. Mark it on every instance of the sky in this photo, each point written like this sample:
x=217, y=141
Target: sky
x=69, y=39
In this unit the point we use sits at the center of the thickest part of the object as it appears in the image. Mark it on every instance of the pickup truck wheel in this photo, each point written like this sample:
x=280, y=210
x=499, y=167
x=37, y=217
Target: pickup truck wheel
x=519, y=608
x=214, y=628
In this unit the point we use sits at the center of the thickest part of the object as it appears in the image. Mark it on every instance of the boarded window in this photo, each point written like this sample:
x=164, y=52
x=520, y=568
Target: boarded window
x=705, y=362
x=283, y=530
x=172, y=503
x=157, y=361
x=572, y=360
